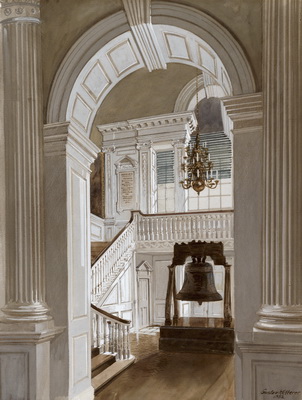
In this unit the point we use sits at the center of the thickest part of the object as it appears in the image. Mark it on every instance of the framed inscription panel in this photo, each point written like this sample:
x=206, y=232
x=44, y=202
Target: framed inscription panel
x=126, y=190
x=126, y=181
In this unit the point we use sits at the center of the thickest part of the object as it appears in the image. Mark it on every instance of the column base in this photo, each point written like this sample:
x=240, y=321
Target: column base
x=25, y=359
x=280, y=319
x=25, y=312
x=269, y=367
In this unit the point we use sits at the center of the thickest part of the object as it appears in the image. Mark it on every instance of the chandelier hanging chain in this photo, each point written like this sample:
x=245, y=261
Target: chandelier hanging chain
x=197, y=165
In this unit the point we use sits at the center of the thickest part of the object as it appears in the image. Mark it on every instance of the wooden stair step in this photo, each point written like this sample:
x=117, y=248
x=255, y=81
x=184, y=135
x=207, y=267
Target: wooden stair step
x=109, y=373
x=100, y=362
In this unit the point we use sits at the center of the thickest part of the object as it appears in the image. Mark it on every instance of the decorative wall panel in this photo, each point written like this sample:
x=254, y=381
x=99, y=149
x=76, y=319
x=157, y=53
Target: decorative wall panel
x=16, y=364
x=177, y=46
x=122, y=57
x=81, y=112
x=79, y=224
x=96, y=81
x=79, y=366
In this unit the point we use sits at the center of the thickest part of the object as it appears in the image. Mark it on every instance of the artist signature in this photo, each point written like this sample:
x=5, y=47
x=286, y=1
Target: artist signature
x=280, y=394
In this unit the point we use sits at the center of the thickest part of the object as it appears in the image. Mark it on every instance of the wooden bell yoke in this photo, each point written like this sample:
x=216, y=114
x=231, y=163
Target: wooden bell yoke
x=197, y=250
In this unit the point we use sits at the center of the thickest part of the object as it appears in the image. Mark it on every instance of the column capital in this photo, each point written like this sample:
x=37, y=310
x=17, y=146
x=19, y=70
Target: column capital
x=63, y=139
x=179, y=143
x=14, y=11
x=242, y=114
x=144, y=145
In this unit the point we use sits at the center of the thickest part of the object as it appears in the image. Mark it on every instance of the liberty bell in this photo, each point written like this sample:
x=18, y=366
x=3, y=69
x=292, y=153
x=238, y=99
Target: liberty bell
x=199, y=282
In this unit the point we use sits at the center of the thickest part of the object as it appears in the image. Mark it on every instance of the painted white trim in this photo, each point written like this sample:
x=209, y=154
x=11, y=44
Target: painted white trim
x=185, y=23
x=77, y=57
x=215, y=35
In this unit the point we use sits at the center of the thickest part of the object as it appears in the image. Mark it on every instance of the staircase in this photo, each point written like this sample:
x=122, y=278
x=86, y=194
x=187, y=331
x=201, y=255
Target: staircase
x=110, y=264
x=111, y=347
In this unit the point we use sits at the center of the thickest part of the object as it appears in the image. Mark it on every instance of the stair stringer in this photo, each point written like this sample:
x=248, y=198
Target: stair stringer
x=119, y=269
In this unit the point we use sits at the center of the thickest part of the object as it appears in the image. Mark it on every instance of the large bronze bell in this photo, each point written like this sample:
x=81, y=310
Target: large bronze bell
x=199, y=282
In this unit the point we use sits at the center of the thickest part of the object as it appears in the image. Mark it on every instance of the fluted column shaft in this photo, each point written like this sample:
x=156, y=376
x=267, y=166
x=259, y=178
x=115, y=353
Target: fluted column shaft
x=282, y=233
x=25, y=292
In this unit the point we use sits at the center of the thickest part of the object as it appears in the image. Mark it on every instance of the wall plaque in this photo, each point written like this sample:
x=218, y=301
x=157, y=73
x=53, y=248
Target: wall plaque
x=126, y=190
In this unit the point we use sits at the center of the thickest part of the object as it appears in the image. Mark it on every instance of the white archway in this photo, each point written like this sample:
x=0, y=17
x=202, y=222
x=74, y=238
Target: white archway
x=103, y=56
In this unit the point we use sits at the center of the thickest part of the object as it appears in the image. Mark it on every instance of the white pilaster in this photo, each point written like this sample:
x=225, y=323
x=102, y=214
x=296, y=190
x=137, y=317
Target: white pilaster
x=243, y=124
x=110, y=182
x=68, y=156
x=181, y=195
x=145, y=175
x=282, y=234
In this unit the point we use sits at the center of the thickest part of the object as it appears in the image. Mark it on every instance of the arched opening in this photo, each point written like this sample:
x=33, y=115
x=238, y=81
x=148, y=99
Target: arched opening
x=110, y=85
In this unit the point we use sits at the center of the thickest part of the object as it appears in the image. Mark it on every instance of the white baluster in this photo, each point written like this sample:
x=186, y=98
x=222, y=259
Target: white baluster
x=194, y=228
x=110, y=326
x=158, y=227
x=128, y=341
x=170, y=228
x=120, y=343
x=105, y=335
x=124, y=341
x=93, y=330
x=99, y=331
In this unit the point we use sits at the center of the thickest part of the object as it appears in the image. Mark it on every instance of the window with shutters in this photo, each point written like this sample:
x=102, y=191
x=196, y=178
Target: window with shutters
x=165, y=181
x=220, y=150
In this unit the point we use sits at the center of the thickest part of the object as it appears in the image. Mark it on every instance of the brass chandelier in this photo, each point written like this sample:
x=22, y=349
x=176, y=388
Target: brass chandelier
x=197, y=165
x=197, y=168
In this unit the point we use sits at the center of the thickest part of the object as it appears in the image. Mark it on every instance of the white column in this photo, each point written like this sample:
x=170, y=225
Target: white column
x=25, y=290
x=68, y=156
x=180, y=193
x=282, y=233
x=26, y=328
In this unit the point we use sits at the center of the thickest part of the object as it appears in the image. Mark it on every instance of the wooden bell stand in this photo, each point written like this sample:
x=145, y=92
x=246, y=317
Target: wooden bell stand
x=201, y=339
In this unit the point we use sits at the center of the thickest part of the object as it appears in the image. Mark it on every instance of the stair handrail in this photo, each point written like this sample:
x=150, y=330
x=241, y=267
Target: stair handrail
x=110, y=334
x=114, y=238
x=109, y=316
x=218, y=211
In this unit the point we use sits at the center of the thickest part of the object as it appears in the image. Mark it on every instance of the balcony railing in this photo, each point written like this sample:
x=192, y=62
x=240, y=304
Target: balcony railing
x=182, y=227
x=155, y=228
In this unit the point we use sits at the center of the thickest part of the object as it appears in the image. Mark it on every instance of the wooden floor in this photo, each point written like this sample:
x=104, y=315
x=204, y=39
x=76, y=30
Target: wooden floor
x=159, y=375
